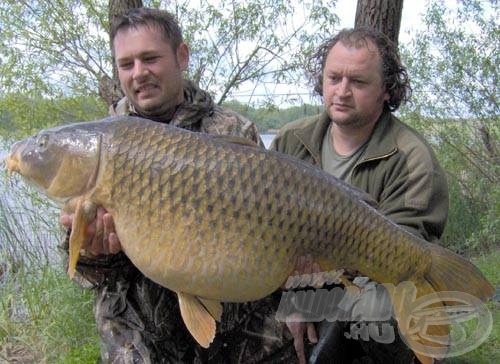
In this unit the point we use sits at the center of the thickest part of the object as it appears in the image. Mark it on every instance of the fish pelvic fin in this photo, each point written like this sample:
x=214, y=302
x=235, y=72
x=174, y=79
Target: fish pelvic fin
x=198, y=315
x=213, y=307
x=85, y=212
x=451, y=272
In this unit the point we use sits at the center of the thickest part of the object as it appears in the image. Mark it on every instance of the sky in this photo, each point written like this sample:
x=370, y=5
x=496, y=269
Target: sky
x=346, y=11
x=412, y=13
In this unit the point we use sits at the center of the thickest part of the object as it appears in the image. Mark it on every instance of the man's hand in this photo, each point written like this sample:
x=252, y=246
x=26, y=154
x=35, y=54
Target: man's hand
x=304, y=265
x=102, y=234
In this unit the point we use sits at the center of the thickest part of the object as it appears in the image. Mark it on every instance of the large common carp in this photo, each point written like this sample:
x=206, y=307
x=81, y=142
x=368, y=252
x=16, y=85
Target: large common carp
x=219, y=220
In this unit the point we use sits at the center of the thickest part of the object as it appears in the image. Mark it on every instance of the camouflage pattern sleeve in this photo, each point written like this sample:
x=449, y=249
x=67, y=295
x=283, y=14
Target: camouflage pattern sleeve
x=224, y=121
x=93, y=271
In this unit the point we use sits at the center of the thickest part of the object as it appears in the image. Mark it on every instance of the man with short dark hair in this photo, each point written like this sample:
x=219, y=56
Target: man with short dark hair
x=138, y=320
x=359, y=74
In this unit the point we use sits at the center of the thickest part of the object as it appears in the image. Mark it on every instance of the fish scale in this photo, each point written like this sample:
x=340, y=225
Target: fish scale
x=215, y=219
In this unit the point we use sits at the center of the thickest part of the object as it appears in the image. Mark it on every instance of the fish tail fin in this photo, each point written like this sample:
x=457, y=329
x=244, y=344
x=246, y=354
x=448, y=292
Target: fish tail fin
x=420, y=304
x=451, y=272
x=426, y=338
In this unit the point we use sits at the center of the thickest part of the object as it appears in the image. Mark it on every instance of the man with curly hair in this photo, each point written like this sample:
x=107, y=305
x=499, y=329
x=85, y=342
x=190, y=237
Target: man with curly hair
x=358, y=139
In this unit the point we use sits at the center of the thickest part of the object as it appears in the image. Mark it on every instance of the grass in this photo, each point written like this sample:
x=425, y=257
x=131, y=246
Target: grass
x=44, y=317
x=489, y=351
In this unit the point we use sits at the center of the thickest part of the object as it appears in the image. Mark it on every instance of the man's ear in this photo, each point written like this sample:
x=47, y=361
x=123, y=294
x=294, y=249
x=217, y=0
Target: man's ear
x=387, y=97
x=182, y=55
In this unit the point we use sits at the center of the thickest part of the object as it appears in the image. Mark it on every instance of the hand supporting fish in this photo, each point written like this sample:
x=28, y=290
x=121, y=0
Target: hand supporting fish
x=298, y=328
x=101, y=232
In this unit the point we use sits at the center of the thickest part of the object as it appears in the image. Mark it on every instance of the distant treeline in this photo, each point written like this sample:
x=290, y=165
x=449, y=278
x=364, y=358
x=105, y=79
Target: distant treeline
x=22, y=115
x=272, y=118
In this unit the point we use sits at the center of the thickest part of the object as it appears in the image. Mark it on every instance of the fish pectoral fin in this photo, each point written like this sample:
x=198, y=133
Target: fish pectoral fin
x=70, y=206
x=346, y=282
x=85, y=213
x=197, y=318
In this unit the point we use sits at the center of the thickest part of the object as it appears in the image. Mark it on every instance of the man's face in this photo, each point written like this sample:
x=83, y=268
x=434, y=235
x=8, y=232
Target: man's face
x=353, y=92
x=150, y=72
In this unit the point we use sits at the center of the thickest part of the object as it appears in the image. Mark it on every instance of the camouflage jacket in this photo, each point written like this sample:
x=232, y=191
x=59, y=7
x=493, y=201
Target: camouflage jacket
x=139, y=321
x=199, y=113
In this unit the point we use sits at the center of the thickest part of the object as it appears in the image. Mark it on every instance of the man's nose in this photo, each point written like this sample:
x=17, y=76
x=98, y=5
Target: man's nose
x=140, y=70
x=344, y=87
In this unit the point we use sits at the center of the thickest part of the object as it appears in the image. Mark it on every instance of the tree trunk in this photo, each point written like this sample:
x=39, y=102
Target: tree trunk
x=109, y=88
x=383, y=15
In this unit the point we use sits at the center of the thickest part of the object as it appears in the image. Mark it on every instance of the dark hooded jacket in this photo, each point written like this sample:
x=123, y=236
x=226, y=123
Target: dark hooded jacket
x=398, y=169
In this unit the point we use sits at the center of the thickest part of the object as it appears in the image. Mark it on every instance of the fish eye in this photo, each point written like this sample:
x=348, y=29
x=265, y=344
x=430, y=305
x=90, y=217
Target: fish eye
x=42, y=141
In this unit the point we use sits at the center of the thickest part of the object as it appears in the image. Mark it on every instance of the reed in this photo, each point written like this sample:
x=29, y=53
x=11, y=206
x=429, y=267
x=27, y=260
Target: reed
x=44, y=316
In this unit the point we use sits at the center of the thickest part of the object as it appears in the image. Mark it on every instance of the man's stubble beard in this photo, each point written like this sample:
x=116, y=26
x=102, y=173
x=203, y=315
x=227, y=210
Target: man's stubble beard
x=355, y=121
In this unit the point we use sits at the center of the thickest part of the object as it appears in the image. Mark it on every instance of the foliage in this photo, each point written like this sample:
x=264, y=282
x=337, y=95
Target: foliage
x=454, y=61
x=264, y=43
x=21, y=114
x=455, y=76
x=272, y=118
x=456, y=105
x=54, y=48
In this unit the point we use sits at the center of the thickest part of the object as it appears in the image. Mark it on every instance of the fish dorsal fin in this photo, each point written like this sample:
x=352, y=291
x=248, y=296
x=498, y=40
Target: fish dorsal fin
x=85, y=213
x=213, y=307
x=197, y=318
x=236, y=140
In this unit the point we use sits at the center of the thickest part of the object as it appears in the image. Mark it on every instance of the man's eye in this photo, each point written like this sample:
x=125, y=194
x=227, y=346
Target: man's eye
x=125, y=66
x=151, y=59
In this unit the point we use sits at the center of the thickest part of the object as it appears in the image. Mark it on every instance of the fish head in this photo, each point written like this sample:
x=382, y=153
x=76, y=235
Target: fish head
x=60, y=162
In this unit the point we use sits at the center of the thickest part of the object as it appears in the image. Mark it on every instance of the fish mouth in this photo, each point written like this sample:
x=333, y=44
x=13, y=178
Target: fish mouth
x=12, y=164
x=13, y=159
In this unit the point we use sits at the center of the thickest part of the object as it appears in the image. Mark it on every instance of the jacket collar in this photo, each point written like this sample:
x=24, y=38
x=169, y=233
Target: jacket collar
x=381, y=144
x=311, y=136
x=196, y=105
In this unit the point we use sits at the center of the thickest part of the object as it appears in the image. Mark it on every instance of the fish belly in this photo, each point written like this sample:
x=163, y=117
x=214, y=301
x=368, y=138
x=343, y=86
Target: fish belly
x=223, y=221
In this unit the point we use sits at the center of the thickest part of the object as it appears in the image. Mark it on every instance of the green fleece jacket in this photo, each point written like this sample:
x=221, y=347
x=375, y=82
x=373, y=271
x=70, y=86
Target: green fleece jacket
x=398, y=169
